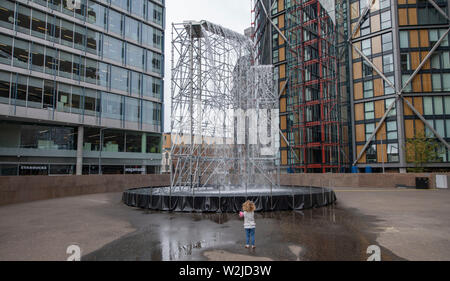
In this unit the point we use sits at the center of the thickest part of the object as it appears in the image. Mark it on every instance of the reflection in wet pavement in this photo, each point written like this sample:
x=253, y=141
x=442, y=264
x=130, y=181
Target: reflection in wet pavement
x=329, y=233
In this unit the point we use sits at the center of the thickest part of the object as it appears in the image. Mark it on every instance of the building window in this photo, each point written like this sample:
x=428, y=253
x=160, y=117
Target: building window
x=134, y=144
x=91, y=139
x=391, y=130
x=5, y=49
x=96, y=14
x=65, y=64
x=53, y=28
x=37, y=57
x=135, y=56
x=115, y=22
x=112, y=106
x=132, y=109
x=38, y=24
x=35, y=93
x=404, y=39
x=21, y=53
x=405, y=79
x=388, y=63
x=405, y=61
x=90, y=102
x=387, y=104
x=387, y=42
x=66, y=33
x=384, y=4
x=119, y=78
x=4, y=87
x=275, y=57
x=369, y=110
x=113, y=141
x=76, y=105
x=366, y=47
x=137, y=7
x=392, y=152
x=369, y=130
x=6, y=14
x=123, y=4
x=388, y=90
x=49, y=94
x=371, y=154
x=113, y=49
x=367, y=70
x=368, y=89
x=365, y=27
x=63, y=102
x=386, y=19
x=23, y=20
x=131, y=29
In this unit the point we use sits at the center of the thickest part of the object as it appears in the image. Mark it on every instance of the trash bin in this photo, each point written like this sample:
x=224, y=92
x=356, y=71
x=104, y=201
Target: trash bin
x=422, y=183
x=368, y=170
x=355, y=170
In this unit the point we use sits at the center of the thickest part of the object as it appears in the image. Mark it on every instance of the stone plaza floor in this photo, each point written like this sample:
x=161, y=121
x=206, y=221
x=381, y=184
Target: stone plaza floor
x=407, y=224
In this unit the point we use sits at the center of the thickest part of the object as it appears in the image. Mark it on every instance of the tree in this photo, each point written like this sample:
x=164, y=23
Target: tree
x=421, y=150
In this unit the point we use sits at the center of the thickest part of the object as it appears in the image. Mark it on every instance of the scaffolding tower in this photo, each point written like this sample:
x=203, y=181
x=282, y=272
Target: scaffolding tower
x=314, y=123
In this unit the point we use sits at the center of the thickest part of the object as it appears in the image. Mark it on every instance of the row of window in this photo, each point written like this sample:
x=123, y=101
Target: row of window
x=391, y=151
x=375, y=45
x=38, y=93
x=391, y=130
x=91, y=10
x=442, y=126
x=52, y=28
x=436, y=105
x=424, y=38
x=422, y=14
x=369, y=109
x=357, y=7
x=45, y=137
x=120, y=141
x=363, y=69
x=39, y=58
x=439, y=82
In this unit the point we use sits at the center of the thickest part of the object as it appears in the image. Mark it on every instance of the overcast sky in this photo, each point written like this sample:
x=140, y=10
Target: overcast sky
x=233, y=14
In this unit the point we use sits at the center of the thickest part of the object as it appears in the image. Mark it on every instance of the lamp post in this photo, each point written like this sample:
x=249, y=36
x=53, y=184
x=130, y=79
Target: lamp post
x=382, y=151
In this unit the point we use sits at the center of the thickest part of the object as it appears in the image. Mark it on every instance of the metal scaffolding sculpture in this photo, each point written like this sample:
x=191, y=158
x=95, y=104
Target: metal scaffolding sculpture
x=216, y=97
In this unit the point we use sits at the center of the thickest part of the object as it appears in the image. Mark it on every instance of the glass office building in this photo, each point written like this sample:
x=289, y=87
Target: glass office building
x=81, y=86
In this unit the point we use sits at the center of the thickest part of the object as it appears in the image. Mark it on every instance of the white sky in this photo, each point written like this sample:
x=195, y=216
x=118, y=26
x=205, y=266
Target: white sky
x=232, y=14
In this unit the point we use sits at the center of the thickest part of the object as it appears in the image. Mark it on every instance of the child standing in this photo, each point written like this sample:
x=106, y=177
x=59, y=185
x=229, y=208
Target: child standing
x=249, y=222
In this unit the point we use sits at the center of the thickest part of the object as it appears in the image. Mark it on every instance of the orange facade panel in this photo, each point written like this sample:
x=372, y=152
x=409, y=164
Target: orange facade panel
x=284, y=157
x=283, y=105
x=378, y=87
x=409, y=129
x=359, y=111
x=402, y=16
x=358, y=91
x=362, y=160
x=412, y=16
x=360, y=133
x=406, y=110
x=357, y=70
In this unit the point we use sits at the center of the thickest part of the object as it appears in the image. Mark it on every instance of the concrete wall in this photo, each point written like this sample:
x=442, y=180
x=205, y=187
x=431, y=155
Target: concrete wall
x=19, y=189
x=390, y=180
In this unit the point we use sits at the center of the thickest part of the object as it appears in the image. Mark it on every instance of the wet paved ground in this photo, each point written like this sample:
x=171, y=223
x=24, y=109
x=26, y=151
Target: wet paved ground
x=105, y=229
